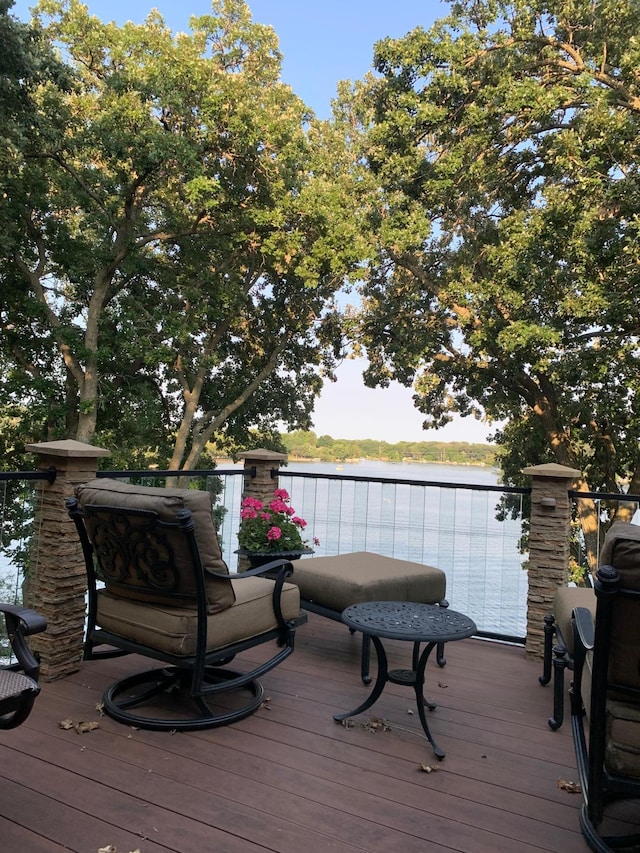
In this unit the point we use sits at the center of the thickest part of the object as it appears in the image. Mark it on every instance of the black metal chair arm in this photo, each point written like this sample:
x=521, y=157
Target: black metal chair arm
x=584, y=628
x=278, y=570
x=31, y=621
x=21, y=622
x=286, y=569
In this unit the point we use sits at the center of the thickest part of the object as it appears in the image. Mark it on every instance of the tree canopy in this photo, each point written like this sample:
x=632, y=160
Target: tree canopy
x=175, y=239
x=503, y=144
x=175, y=226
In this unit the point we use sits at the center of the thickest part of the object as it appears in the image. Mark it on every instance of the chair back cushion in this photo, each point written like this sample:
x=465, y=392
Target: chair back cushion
x=621, y=549
x=104, y=492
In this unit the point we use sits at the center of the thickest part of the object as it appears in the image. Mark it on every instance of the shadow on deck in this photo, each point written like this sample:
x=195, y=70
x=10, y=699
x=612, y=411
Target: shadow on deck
x=289, y=779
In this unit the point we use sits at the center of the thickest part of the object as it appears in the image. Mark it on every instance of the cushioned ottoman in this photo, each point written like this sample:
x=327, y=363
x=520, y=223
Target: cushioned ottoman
x=330, y=584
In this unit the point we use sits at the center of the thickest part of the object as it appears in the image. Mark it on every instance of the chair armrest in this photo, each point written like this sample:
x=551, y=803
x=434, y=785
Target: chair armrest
x=583, y=641
x=22, y=622
x=285, y=569
x=31, y=621
x=584, y=630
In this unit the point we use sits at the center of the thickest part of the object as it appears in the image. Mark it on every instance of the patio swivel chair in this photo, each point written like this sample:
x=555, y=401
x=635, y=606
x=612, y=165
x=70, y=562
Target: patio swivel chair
x=19, y=680
x=606, y=695
x=158, y=587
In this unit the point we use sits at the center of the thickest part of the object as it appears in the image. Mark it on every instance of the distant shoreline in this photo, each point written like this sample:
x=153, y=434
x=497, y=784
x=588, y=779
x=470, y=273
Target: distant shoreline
x=386, y=460
x=362, y=461
x=308, y=446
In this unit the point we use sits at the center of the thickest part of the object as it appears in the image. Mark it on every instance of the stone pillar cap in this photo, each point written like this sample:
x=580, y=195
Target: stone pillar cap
x=262, y=454
x=552, y=469
x=67, y=447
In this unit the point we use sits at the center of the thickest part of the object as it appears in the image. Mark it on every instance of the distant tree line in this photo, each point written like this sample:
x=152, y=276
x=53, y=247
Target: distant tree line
x=324, y=448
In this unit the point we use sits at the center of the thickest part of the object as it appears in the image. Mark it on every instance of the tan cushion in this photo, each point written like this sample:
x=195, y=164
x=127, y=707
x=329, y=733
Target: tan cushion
x=622, y=754
x=621, y=549
x=340, y=581
x=172, y=630
x=566, y=599
x=166, y=503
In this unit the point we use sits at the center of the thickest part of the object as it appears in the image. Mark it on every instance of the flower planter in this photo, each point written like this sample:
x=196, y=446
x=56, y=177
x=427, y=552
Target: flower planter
x=260, y=558
x=271, y=531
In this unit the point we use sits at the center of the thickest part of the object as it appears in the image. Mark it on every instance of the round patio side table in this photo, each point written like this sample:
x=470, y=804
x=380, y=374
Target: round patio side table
x=413, y=622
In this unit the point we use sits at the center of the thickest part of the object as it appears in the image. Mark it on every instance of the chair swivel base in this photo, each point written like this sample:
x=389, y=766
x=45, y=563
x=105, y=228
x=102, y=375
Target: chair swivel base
x=167, y=690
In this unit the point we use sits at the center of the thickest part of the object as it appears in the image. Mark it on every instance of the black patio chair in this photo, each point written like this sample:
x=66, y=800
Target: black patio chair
x=558, y=643
x=19, y=679
x=606, y=695
x=158, y=587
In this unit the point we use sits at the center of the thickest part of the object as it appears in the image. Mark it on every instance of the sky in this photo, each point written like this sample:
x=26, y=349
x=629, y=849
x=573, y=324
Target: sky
x=322, y=43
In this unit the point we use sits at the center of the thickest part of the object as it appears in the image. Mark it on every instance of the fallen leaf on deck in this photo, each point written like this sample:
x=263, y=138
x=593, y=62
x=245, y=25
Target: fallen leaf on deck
x=82, y=728
x=111, y=849
x=377, y=725
x=442, y=684
x=66, y=724
x=428, y=768
x=570, y=787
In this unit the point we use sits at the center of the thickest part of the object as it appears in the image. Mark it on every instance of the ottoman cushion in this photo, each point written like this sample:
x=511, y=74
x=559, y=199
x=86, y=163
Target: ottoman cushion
x=346, y=579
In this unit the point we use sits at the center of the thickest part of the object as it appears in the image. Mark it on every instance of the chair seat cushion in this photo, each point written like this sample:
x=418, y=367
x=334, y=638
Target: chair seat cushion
x=566, y=599
x=172, y=630
x=166, y=503
x=14, y=684
x=340, y=581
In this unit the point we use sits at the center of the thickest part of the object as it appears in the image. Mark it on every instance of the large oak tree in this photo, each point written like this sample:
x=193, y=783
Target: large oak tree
x=178, y=237
x=504, y=144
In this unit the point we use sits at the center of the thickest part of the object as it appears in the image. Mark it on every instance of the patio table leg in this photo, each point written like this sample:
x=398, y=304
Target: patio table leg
x=378, y=687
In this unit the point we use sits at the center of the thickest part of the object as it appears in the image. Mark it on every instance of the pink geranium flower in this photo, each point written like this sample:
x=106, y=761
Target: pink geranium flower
x=271, y=528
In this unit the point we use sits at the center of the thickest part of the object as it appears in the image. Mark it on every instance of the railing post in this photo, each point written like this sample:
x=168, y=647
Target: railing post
x=549, y=537
x=56, y=582
x=260, y=478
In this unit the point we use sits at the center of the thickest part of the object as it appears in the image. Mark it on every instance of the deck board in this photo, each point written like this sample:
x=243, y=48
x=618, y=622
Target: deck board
x=289, y=779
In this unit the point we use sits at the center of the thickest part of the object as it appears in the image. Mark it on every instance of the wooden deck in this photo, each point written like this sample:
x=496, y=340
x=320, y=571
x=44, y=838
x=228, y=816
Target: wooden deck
x=289, y=779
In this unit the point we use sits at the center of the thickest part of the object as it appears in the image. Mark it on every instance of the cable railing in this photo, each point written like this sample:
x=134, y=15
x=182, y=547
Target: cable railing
x=607, y=505
x=453, y=526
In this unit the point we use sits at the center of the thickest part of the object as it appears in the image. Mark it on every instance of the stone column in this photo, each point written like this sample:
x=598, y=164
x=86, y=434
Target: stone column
x=260, y=478
x=549, y=538
x=57, y=582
